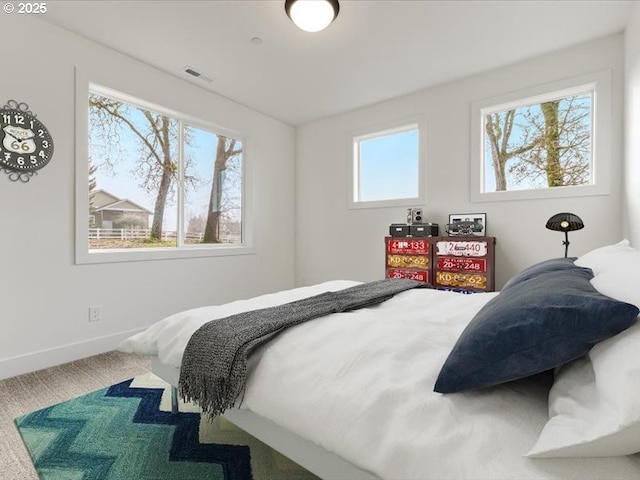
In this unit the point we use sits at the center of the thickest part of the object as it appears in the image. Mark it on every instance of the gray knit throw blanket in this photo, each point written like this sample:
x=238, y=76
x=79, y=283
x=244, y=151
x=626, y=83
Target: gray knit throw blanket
x=214, y=366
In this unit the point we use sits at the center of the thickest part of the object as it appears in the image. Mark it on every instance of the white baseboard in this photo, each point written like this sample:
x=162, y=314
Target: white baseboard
x=30, y=362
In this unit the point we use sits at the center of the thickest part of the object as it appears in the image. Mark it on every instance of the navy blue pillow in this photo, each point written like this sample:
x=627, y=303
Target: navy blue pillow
x=533, y=271
x=539, y=323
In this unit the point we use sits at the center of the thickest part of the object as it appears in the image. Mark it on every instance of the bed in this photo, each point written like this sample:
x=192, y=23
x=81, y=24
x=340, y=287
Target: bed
x=351, y=395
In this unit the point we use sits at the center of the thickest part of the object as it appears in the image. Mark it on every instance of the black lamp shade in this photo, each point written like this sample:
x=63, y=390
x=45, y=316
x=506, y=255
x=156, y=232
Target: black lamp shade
x=565, y=222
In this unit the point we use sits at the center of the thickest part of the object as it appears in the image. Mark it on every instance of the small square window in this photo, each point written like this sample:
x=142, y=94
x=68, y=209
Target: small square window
x=387, y=168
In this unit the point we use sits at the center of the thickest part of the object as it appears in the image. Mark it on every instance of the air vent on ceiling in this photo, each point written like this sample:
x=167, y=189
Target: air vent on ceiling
x=196, y=74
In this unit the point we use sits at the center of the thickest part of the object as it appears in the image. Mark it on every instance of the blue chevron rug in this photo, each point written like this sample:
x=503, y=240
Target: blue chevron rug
x=125, y=432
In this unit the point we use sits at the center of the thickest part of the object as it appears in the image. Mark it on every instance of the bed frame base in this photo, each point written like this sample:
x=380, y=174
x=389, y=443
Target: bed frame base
x=308, y=455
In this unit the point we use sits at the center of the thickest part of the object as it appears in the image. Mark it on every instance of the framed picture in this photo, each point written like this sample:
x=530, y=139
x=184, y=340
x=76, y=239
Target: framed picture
x=467, y=224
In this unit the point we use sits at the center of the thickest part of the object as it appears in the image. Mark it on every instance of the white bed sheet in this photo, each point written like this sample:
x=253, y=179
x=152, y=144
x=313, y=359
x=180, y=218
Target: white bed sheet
x=360, y=384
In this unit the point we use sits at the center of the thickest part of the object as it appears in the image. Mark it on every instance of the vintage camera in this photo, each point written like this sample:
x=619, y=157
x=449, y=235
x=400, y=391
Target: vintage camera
x=414, y=215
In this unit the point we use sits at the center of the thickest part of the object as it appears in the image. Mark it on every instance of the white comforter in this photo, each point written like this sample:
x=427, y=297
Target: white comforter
x=360, y=384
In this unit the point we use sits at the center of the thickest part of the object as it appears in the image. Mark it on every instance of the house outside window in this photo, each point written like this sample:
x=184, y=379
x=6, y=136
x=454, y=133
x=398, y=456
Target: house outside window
x=543, y=143
x=387, y=167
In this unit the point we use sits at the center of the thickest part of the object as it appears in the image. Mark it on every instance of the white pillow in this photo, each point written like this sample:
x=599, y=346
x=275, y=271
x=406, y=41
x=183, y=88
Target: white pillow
x=594, y=404
x=615, y=268
x=604, y=258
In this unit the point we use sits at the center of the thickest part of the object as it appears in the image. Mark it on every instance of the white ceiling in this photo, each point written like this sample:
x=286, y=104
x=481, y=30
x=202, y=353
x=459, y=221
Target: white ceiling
x=374, y=50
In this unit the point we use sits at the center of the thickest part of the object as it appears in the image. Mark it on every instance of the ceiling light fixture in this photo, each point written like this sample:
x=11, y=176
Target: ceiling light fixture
x=312, y=15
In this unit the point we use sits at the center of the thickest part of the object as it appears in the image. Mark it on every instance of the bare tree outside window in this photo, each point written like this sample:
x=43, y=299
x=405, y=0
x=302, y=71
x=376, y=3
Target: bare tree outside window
x=216, y=202
x=540, y=145
x=155, y=181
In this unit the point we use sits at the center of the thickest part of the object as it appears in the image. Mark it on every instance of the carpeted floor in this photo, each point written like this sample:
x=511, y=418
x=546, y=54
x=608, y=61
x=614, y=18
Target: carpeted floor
x=126, y=431
x=33, y=391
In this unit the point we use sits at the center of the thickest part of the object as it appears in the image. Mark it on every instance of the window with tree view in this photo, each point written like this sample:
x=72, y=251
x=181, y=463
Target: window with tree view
x=159, y=180
x=539, y=143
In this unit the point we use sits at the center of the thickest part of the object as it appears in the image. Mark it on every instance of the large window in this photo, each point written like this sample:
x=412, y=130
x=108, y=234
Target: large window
x=387, y=168
x=158, y=181
x=543, y=144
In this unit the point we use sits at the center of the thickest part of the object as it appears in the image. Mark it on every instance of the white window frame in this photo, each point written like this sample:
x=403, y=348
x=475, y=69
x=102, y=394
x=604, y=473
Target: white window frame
x=600, y=84
x=82, y=253
x=399, y=126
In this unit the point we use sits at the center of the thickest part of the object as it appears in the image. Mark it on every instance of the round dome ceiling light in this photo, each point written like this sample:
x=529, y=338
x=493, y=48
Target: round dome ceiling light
x=312, y=15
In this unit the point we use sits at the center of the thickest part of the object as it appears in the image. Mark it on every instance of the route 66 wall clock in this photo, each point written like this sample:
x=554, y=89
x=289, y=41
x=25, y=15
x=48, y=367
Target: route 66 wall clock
x=26, y=145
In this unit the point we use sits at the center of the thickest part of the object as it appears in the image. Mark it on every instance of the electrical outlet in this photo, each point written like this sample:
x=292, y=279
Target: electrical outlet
x=95, y=313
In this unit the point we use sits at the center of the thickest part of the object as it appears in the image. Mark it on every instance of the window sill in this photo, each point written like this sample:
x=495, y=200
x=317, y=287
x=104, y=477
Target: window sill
x=139, y=254
x=401, y=202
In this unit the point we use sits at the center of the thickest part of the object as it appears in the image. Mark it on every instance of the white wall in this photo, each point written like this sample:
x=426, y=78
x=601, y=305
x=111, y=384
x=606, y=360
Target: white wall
x=335, y=242
x=632, y=126
x=44, y=296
